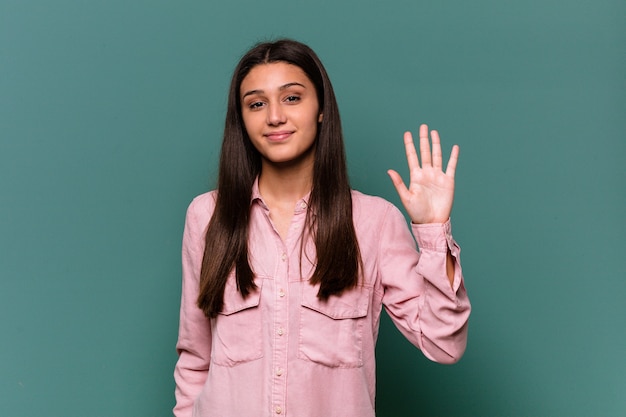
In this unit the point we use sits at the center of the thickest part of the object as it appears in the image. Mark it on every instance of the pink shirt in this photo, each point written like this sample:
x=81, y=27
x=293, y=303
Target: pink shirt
x=281, y=351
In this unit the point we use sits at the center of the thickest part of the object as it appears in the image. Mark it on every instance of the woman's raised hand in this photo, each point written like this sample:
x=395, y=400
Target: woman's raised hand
x=430, y=194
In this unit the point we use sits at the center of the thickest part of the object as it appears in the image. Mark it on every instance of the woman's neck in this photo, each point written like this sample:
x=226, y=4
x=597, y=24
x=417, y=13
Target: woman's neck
x=281, y=189
x=285, y=185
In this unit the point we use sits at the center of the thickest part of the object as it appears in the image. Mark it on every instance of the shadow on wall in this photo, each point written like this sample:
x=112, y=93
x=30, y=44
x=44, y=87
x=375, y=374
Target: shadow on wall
x=408, y=384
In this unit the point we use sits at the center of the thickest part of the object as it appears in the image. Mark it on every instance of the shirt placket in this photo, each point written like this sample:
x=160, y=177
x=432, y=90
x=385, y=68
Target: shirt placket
x=279, y=360
x=281, y=323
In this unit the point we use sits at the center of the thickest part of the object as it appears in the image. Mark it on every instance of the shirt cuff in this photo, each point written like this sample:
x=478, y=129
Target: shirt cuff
x=434, y=236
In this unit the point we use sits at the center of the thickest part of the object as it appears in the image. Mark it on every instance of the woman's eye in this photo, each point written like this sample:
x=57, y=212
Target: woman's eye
x=255, y=105
x=292, y=99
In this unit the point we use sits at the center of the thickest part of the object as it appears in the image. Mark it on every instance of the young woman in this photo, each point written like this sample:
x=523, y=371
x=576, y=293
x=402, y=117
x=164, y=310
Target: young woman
x=286, y=269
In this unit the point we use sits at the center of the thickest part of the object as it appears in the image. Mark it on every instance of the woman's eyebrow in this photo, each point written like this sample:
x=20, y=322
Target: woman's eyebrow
x=291, y=85
x=282, y=87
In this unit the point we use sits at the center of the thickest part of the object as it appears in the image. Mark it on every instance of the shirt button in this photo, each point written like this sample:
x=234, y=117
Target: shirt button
x=280, y=331
x=283, y=257
x=278, y=410
x=281, y=293
x=279, y=372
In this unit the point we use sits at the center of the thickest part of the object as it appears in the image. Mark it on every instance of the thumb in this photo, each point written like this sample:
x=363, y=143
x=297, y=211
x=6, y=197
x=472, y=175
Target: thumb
x=396, y=179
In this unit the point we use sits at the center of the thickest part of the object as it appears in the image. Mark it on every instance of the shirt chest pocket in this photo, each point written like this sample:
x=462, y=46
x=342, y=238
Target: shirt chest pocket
x=331, y=332
x=237, y=329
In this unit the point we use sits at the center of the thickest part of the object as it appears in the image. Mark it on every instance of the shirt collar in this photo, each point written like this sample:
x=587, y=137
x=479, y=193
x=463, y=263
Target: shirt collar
x=256, y=197
x=256, y=194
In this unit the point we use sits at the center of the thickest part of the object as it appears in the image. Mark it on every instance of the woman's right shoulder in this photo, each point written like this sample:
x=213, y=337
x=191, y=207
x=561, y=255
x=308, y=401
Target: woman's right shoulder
x=202, y=206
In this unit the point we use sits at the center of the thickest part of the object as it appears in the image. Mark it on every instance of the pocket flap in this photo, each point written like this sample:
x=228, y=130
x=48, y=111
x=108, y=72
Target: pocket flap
x=234, y=301
x=351, y=304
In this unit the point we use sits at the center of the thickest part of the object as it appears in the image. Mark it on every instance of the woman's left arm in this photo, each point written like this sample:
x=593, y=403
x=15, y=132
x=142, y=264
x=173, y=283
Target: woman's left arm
x=430, y=194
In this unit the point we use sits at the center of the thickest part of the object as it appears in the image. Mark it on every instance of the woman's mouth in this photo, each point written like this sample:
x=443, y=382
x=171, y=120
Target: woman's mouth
x=278, y=136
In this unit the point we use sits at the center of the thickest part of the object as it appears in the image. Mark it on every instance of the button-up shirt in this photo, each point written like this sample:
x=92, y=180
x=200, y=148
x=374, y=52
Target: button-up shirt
x=281, y=351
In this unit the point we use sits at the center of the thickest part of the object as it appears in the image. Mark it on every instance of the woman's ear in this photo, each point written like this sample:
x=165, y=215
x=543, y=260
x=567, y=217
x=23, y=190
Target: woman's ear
x=320, y=118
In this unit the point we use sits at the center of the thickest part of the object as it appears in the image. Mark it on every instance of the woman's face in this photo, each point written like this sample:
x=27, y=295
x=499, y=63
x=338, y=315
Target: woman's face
x=281, y=113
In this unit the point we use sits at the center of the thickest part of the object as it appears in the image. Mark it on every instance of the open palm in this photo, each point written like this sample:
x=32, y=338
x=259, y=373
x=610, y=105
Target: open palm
x=430, y=194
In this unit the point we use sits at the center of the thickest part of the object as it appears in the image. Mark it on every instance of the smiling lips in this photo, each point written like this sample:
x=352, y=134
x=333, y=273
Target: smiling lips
x=278, y=136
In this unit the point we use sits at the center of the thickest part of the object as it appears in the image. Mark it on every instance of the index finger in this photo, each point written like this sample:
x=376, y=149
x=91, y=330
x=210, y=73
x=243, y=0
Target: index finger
x=411, y=153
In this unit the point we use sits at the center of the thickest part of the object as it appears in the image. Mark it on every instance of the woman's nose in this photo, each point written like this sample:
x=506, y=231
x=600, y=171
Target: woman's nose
x=275, y=115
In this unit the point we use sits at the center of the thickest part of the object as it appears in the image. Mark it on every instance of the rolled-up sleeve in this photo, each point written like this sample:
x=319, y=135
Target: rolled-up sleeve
x=194, y=335
x=430, y=313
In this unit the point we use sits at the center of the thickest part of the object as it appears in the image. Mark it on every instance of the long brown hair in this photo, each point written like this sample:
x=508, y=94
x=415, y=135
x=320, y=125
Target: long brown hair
x=329, y=218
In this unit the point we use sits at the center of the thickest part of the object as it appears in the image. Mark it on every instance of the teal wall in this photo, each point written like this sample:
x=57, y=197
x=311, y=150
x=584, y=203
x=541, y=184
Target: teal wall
x=110, y=121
